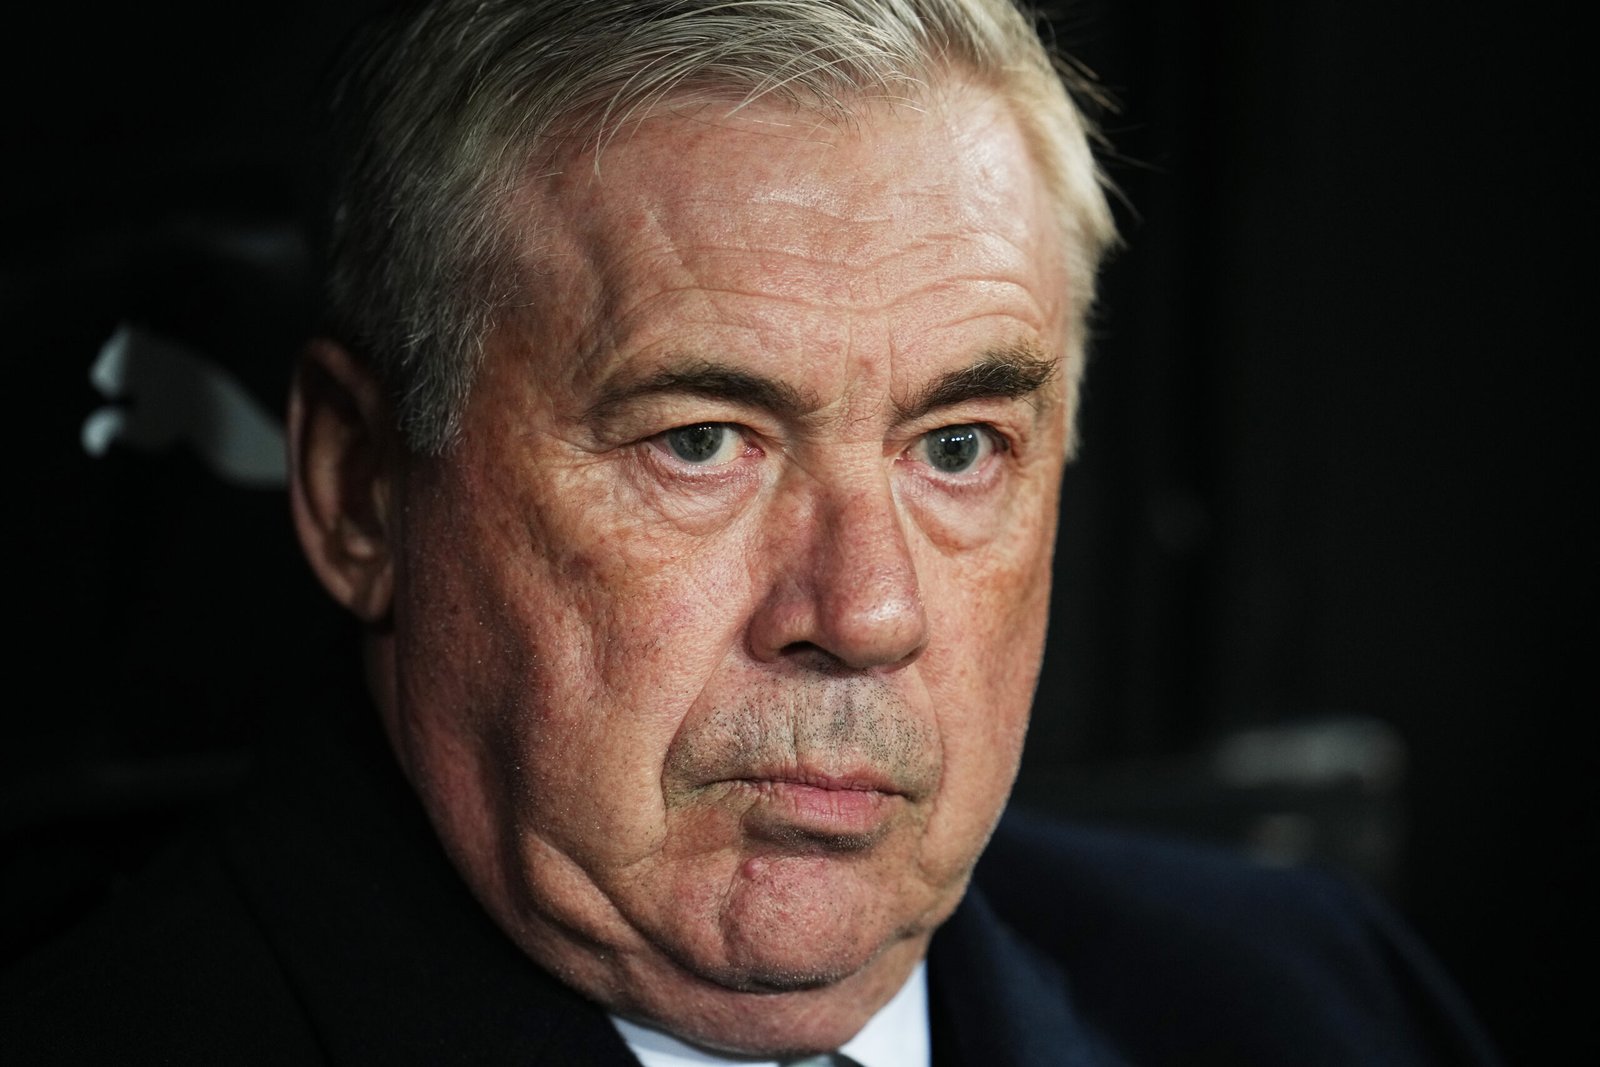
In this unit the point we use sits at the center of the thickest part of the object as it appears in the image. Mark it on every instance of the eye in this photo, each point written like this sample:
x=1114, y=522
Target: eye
x=956, y=449
x=707, y=444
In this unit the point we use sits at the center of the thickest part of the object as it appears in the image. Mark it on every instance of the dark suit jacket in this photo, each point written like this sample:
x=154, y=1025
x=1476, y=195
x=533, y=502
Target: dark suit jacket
x=319, y=922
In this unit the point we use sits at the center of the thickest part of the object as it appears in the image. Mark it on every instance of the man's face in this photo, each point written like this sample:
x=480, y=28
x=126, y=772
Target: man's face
x=715, y=636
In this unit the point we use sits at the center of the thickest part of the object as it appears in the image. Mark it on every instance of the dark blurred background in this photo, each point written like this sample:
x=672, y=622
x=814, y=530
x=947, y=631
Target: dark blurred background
x=1320, y=593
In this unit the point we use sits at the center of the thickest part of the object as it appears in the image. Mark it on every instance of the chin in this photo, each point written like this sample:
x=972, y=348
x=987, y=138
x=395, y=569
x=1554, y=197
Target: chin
x=779, y=976
x=790, y=967
x=791, y=924
x=811, y=955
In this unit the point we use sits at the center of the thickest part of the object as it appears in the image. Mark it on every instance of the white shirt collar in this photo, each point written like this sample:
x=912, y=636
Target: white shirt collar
x=897, y=1036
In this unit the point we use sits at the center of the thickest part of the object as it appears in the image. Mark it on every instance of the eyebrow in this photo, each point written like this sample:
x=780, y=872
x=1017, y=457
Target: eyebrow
x=1004, y=374
x=1001, y=374
x=712, y=380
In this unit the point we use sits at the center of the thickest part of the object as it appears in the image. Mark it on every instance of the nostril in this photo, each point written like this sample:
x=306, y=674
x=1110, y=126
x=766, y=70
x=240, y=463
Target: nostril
x=810, y=656
x=813, y=657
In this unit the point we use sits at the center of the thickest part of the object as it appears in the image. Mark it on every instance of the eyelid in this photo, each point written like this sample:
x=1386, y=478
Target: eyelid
x=641, y=418
x=1009, y=418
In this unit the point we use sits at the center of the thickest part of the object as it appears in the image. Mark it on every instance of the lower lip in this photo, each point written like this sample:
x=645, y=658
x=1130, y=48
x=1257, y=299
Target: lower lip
x=796, y=806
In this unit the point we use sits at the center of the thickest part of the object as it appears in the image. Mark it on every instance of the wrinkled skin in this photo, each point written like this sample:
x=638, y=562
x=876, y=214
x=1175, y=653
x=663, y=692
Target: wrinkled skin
x=718, y=738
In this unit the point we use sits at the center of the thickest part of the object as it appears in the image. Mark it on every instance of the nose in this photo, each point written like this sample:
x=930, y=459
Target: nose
x=843, y=585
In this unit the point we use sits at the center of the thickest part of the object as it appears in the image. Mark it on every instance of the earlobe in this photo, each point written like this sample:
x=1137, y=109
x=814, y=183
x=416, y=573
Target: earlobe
x=342, y=457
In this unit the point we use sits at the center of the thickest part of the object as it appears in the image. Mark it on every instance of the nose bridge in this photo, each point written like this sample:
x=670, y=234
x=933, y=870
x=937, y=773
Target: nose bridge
x=851, y=586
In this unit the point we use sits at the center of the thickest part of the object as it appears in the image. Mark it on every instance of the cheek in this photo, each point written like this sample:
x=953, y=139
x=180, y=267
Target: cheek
x=646, y=619
x=599, y=643
x=989, y=604
x=988, y=614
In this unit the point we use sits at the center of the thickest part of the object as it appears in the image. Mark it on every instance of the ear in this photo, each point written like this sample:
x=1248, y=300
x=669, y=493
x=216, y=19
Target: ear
x=342, y=467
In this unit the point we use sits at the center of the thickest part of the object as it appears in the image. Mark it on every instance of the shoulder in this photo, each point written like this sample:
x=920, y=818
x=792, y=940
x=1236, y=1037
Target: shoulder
x=1133, y=885
x=173, y=969
x=314, y=919
x=1178, y=943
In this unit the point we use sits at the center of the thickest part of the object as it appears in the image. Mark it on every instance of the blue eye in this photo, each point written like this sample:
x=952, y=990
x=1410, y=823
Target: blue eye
x=955, y=449
x=701, y=445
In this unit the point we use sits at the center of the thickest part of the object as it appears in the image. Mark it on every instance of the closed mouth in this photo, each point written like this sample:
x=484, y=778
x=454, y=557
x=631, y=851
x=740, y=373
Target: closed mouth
x=832, y=813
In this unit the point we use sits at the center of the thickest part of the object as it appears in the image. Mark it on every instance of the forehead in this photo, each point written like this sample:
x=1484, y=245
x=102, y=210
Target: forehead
x=800, y=243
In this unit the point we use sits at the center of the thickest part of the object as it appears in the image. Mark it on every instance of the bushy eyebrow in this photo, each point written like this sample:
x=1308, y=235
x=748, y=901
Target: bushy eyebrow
x=1001, y=374
x=714, y=381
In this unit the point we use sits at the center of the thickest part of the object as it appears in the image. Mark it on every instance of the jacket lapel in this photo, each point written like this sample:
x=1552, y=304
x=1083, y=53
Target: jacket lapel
x=997, y=1001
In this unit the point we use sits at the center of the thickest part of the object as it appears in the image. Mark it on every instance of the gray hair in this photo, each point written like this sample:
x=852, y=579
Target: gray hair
x=445, y=108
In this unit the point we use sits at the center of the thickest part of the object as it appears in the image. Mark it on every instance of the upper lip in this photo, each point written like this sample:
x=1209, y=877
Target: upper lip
x=864, y=780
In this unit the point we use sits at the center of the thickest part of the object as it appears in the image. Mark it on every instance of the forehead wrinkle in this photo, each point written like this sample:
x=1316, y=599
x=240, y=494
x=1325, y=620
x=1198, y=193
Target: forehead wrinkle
x=593, y=284
x=1026, y=310
x=860, y=229
x=832, y=228
x=866, y=291
x=625, y=244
